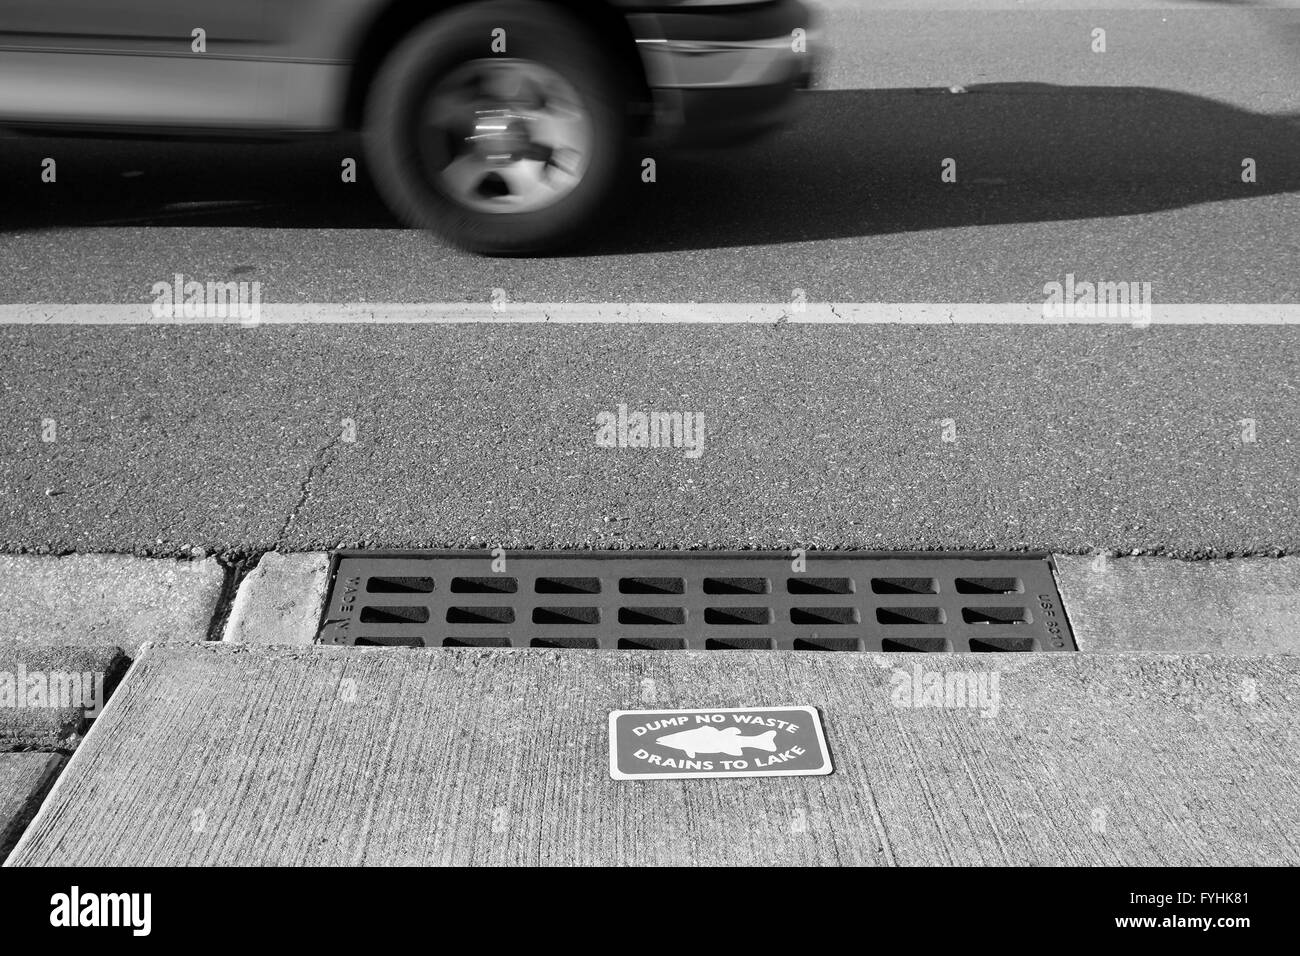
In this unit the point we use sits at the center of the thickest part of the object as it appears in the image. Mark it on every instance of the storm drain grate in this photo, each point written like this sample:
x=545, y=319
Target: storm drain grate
x=841, y=601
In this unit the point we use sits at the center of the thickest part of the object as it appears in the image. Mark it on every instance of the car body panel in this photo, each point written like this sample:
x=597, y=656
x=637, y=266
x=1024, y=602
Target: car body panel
x=288, y=65
x=131, y=63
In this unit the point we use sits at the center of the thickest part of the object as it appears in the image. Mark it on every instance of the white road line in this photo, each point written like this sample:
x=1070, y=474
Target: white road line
x=635, y=313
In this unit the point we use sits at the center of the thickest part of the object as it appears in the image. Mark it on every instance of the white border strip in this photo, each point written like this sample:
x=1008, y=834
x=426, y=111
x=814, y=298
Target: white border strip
x=651, y=313
x=823, y=770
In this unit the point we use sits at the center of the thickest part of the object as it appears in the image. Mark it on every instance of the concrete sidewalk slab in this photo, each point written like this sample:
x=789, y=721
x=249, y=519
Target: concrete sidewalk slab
x=24, y=780
x=106, y=599
x=234, y=754
x=47, y=694
x=280, y=600
x=1230, y=606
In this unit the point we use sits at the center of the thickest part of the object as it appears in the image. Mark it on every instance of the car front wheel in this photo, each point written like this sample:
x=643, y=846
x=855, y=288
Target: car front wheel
x=498, y=125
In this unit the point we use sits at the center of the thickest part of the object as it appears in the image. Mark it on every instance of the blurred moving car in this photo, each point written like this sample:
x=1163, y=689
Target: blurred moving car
x=499, y=124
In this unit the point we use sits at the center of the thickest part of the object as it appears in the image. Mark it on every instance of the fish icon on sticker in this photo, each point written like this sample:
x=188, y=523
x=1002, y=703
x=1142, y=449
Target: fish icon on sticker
x=718, y=742
x=711, y=740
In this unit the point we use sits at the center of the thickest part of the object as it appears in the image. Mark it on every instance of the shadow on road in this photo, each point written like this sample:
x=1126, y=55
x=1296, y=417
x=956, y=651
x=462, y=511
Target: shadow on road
x=857, y=163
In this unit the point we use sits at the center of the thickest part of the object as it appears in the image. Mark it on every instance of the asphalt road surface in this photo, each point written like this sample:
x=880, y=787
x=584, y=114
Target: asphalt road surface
x=1122, y=166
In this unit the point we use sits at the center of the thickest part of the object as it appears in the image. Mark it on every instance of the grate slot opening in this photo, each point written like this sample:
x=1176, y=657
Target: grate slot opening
x=567, y=585
x=911, y=615
x=1003, y=644
x=493, y=585
x=652, y=643
x=825, y=615
x=739, y=644
x=566, y=615
x=651, y=586
x=738, y=615
x=905, y=585
x=928, y=645
x=652, y=615
x=827, y=644
x=500, y=614
x=476, y=642
x=803, y=585
x=396, y=614
x=737, y=586
x=995, y=615
x=578, y=643
x=398, y=584
x=989, y=585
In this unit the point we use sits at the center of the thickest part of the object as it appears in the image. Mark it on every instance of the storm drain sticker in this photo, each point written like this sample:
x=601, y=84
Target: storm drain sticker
x=720, y=742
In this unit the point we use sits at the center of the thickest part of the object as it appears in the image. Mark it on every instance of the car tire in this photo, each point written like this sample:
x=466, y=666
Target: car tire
x=434, y=178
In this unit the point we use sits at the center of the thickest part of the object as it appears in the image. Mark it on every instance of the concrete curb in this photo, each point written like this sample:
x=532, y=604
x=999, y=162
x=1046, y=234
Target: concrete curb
x=1229, y=606
x=280, y=600
x=106, y=600
x=1226, y=606
x=24, y=780
x=48, y=694
x=1221, y=606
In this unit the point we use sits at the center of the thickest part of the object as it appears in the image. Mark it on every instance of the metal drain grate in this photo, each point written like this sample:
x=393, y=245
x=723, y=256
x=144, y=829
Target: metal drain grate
x=842, y=601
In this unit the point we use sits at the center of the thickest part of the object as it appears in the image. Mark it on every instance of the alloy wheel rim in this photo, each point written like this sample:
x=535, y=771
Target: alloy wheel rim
x=505, y=136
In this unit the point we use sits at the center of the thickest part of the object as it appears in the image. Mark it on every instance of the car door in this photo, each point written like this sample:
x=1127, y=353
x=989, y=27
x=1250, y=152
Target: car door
x=122, y=26
x=163, y=63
